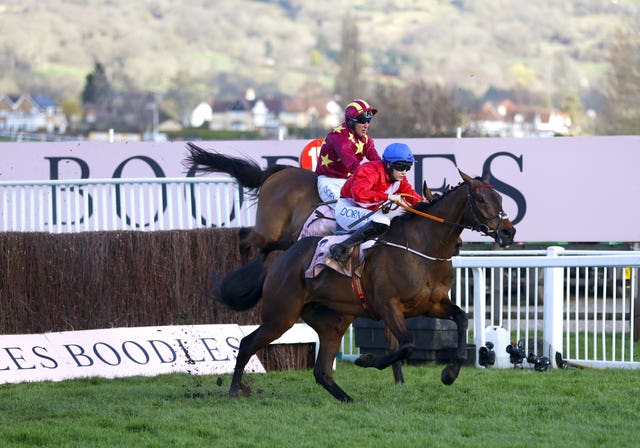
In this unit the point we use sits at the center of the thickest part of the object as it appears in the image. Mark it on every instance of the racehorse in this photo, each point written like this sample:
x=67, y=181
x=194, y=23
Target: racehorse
x=408, y=272
x=286, y=196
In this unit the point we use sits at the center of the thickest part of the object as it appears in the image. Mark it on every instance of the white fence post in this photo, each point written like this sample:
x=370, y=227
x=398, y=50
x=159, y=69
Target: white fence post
x=552, y=309
x=479, y=309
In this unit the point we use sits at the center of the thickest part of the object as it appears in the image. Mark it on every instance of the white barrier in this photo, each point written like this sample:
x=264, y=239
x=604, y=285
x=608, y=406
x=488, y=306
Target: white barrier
x=588, y=316
x=122, y=204
x=582, y=304
x=131, y=351
x=122, y=352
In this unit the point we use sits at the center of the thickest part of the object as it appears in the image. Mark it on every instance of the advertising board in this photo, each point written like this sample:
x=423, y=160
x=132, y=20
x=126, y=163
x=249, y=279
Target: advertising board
x=573, y=189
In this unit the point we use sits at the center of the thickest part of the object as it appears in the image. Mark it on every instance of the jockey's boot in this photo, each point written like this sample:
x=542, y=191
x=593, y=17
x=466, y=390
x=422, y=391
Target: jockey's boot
x=340, y=251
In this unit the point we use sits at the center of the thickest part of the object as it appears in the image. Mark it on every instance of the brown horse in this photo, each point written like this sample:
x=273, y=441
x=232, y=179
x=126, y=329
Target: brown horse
x=407, y=273
x=286, y=196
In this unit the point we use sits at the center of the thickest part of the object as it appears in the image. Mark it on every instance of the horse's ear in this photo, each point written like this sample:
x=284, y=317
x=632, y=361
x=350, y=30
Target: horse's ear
x=465, y=177
x=486, y=176
x=426, y=192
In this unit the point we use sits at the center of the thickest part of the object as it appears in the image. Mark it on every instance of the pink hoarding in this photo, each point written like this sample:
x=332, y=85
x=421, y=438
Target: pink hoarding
x=580, y=189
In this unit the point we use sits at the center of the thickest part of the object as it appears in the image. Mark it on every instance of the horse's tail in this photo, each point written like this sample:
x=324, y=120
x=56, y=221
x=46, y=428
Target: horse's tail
x=247, y=172
x=241, y=289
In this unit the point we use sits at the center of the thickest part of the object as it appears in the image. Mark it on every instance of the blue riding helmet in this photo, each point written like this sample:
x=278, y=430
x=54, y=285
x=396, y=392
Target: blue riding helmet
x=398, y=152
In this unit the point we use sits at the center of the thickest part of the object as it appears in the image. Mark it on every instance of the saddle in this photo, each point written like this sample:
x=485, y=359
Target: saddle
x=321, y=222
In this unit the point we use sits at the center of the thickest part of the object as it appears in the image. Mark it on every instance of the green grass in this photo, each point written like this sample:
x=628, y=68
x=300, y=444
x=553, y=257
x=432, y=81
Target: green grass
x=53, y=70
x=483, y=408
x=610, y=352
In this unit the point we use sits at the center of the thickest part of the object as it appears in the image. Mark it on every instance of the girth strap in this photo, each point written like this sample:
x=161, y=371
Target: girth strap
x=356, y=280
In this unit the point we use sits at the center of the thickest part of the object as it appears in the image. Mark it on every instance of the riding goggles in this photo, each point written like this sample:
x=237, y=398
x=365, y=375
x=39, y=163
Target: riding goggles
x=402, y=166
x=364, y=117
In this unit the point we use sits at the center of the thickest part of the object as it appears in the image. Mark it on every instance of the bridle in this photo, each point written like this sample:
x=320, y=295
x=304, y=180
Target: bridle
x=479, y=226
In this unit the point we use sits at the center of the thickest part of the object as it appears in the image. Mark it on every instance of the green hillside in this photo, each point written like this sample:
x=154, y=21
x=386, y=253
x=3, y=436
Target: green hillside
x=220, y=47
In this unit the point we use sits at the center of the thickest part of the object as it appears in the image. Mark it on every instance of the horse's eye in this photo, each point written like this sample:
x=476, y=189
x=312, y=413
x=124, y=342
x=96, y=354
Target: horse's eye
x=480, y=200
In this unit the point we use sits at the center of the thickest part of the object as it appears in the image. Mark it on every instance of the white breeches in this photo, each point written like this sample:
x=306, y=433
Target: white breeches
x=329, y=188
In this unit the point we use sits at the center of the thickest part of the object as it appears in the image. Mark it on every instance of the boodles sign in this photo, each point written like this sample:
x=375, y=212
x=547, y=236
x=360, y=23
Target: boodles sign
x=120, y=352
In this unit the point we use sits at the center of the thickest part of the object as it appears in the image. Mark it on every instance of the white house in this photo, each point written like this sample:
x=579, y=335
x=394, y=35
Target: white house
x=31, y=113
x=201, y=113
x=511, y=120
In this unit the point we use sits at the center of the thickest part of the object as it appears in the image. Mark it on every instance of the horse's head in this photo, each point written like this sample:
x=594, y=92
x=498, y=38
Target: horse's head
x=484, y=211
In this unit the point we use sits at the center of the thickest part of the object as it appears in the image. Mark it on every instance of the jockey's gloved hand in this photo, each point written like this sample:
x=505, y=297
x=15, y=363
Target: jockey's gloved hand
x=394, y=197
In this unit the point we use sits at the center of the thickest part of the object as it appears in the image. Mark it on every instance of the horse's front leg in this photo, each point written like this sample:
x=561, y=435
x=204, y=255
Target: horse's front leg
x=392, y=346
x=330, y=326
x=451, y=371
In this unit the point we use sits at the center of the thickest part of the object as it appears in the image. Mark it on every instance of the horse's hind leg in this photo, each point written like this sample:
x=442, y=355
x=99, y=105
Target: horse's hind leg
x=248, y=239
x=451, y=371
x=330, y=327
x=402, y=342
x=249, y=345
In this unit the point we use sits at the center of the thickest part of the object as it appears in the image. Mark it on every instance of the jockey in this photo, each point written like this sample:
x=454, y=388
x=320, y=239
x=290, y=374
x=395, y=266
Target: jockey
x=372, y=186
x=344, y=148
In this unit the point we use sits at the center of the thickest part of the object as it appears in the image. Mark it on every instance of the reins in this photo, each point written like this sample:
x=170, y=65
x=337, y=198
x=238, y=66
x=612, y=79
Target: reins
x=424, y=215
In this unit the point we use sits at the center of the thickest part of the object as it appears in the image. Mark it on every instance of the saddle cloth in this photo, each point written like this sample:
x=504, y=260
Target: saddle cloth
x=322, y=258
x=321, y=222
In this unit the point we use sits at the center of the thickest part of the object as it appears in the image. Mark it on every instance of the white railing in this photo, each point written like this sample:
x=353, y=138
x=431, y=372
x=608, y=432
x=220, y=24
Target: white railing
x=583, y=304
x=122, y=204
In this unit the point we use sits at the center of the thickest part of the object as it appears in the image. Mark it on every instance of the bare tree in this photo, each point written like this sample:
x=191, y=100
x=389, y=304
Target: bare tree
x=348, y=82
x=416, y=110
x=623, y=85
x=184, y=93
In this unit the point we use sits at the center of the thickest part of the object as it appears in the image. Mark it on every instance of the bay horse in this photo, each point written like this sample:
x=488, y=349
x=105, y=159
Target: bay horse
x=408, y=272
x=286, y=196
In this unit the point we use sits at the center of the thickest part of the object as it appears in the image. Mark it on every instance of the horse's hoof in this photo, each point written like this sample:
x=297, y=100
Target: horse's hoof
x=449, y=374
x=365, y=360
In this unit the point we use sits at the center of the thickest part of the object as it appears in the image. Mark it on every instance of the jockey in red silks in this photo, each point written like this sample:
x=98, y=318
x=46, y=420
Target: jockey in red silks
x=359, y=209
x=344, y=148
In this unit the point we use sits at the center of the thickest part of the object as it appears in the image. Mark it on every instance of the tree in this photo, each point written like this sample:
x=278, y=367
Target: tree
x=97, y=89
x=348, y=83
x=416, y=110
x=623, y=86
x=184, y=93
x=72, y=109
